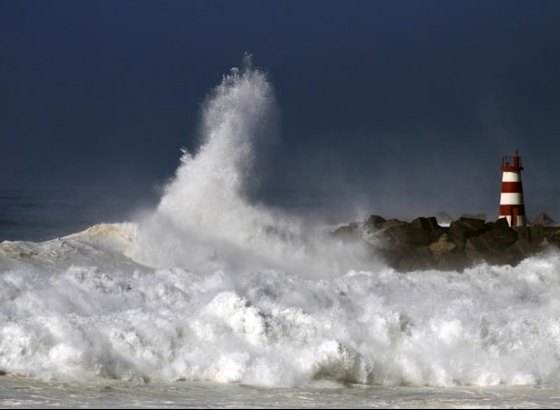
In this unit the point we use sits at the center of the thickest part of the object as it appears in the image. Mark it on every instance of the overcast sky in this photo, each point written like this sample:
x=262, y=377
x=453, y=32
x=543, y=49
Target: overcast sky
x=383, y=99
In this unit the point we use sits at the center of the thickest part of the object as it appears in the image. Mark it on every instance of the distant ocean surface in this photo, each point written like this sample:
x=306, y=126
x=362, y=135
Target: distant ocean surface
x=38, y=214
x=198, y=297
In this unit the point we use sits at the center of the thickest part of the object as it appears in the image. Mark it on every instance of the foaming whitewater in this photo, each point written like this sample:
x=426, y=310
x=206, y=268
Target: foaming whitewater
x=214, y=287
x=76, y=308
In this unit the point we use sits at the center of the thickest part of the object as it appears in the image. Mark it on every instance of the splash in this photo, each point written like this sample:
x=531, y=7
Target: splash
x=108, y=319
x=234, y=116
x=205, y=215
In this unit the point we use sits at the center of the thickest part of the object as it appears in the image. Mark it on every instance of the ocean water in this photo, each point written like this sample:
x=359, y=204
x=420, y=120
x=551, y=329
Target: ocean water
x=211, y=299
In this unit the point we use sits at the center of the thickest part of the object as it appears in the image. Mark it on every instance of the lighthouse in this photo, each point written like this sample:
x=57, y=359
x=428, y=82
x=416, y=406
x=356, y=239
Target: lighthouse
x=511, y=198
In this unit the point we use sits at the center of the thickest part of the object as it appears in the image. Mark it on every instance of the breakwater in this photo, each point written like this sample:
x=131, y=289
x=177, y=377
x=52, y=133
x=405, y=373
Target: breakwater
x=425, y=244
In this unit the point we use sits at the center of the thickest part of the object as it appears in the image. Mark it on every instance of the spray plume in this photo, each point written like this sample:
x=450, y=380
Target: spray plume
x=205, y=216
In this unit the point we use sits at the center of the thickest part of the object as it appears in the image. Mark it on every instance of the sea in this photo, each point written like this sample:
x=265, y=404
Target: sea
x=203, y=297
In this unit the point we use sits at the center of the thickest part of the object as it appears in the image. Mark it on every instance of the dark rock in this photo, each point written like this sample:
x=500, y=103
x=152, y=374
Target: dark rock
x=474, y=224
x=392, y=223
x=348, y=233
x=475, y=249
x=524, y=233
x=536, y=234
x=436, y=233
x=464, y=228
x=413, y=236
x=489, y=225
x=523, y=246
x=499, y=238
x=406, y=258
x=374, y=222
x=392, y=236
x=417, y=257
x=444, y=244
x=428, y=224
x=501, y=223
x=553, y=234
x=425, y=244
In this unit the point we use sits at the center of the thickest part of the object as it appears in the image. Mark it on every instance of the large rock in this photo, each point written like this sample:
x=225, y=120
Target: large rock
x=413, y=236
x=500, y=237
x=464, y=228
x=537, y=235
x=347, y=233
x=553, y=235
x=428, y=224
x=392, y=223
x=374, y=222
x=424, y=243
x=442, y=245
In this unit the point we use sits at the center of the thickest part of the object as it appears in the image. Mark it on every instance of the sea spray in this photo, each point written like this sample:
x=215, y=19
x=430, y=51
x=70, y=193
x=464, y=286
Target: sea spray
x=205, y=215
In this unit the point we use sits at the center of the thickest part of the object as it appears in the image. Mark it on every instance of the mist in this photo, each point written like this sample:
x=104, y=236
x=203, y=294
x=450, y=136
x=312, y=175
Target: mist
x=208, y=216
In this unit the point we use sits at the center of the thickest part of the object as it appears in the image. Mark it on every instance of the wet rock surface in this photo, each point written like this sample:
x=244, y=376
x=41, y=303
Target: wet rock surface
x=424, y=244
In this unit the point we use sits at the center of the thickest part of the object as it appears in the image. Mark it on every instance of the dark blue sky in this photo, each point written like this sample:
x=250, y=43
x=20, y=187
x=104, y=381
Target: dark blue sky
x=382, y=99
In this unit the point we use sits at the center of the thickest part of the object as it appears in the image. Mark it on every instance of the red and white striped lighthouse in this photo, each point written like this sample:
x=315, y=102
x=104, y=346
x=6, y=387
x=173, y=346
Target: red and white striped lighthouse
x=511, y=198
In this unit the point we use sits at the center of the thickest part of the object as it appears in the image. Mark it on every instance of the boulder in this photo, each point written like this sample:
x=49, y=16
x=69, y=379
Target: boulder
x=500, y=237
x=553, y=234
x=428, y=224
x=475, y=249
x=374, y=223
x=347, y=233
x=444, y=244
x=464, y=228
x=523, y=246
x=393, y=223
x=537, y=235
x=406, y=258
x=412, y=236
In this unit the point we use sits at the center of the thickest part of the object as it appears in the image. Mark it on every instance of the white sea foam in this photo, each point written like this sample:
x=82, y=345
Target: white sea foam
x=215, y=288
x=116, y=319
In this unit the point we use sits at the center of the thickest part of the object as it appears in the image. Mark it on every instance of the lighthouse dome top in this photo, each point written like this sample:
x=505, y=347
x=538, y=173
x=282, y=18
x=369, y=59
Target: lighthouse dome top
x=512, y=164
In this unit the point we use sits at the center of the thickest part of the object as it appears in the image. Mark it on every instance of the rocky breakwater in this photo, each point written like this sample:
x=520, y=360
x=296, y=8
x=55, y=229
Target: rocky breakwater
x=424, y=244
